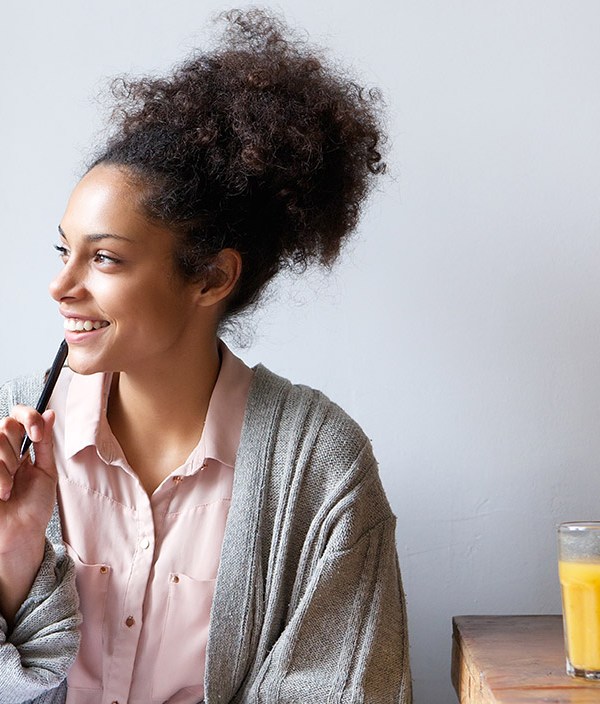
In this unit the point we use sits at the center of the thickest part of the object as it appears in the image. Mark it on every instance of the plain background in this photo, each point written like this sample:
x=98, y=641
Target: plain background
x=461, y=328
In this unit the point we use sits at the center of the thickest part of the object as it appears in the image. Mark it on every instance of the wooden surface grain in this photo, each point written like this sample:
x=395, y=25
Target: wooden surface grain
x=514, y=660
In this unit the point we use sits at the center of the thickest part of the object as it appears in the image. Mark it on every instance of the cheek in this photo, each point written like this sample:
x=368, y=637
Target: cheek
x=158, y=308
x=168, y=311
x=148, y=298
x=118, y=298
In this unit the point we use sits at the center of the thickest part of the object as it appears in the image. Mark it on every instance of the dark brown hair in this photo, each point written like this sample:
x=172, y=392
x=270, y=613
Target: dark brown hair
x=260, y=145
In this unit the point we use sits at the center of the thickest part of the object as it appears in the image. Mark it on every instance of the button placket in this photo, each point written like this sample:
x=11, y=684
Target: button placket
x=130, y=625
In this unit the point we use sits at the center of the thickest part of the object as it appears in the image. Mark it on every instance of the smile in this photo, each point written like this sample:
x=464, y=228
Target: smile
x=78, y=325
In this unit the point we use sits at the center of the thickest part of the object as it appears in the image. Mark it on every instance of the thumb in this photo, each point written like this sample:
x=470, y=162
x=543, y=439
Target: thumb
x=44, y=449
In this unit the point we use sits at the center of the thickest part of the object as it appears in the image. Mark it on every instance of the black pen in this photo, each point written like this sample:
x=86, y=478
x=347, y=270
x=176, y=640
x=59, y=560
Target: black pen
x=53, y=374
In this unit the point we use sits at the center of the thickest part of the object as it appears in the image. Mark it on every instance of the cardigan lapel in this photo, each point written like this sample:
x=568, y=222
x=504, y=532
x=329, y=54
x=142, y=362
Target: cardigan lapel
x=237, y=609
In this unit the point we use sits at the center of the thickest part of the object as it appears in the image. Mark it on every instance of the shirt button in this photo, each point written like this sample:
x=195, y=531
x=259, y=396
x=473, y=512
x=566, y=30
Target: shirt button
x=174, y=579
x=129, y=621
x=145, y=543
x=103, y=569
x=177, y=479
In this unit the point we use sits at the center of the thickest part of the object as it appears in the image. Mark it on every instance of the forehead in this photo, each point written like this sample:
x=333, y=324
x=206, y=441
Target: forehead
x=106, y=201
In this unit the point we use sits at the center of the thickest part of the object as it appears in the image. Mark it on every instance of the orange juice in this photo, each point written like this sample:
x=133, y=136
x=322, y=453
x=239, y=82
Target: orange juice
x=581, y=609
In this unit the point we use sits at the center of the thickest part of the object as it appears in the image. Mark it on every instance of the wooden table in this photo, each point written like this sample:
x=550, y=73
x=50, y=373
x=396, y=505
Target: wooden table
x=514, y=660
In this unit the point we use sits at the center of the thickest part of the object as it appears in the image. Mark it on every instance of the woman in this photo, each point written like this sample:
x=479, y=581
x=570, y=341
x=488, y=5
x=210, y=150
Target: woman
x=225, y=531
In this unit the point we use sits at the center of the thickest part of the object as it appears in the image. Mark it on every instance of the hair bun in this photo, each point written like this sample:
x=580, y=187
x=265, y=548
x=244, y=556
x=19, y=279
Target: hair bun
x=259, y=144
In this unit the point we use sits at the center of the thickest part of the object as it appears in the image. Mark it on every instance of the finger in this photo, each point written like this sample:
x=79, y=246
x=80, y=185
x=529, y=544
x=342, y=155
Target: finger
x=12, y=431
x=44, y=448
x=6, y=482
x=8, y=455
x=30, y=419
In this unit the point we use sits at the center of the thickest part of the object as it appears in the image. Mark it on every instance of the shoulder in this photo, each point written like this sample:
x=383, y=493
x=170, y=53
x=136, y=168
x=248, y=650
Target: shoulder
x=303, y=409
x=300, y=427
x=314, y=458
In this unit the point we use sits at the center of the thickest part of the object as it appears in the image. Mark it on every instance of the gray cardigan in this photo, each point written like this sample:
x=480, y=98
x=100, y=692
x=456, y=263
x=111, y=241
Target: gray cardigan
x=308, y=605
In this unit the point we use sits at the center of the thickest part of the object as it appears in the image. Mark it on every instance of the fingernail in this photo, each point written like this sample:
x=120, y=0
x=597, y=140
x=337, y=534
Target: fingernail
x=5, y=495
x=36, y=433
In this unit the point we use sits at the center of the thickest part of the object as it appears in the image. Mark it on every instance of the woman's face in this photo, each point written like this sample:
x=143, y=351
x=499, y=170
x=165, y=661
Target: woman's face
x=124, y=306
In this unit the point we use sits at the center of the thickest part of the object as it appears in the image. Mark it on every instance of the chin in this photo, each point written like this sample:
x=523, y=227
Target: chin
x=85, y=366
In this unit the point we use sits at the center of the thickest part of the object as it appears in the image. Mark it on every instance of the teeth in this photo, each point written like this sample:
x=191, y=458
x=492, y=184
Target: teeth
x=77, y=325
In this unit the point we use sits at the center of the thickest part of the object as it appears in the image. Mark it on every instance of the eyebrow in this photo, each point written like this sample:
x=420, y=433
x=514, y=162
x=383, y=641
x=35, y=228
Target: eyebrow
x=98, y=236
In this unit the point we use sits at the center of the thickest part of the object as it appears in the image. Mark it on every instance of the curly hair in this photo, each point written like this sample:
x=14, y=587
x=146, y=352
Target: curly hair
x=259, y=145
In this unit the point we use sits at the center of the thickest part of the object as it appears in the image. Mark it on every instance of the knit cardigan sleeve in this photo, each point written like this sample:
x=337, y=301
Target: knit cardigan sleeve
x=346, y=638
x=35, y=655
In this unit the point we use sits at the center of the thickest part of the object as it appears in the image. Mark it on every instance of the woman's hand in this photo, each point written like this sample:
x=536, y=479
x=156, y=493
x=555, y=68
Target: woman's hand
x=27, y=490
x=27, y=496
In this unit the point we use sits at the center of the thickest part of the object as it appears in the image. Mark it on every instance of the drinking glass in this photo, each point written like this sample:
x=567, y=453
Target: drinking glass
x=579, y=573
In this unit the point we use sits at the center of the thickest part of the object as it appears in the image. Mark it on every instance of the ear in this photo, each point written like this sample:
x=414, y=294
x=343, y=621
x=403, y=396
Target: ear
x=221, y=279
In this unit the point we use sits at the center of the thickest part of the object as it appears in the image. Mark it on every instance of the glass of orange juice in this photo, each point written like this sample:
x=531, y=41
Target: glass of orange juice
x=579, y=573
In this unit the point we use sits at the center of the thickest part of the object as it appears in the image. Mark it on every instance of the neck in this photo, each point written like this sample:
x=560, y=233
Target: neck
x=164, y=408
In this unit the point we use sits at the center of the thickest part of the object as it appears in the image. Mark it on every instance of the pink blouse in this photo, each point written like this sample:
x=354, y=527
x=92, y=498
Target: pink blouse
x=145, y=565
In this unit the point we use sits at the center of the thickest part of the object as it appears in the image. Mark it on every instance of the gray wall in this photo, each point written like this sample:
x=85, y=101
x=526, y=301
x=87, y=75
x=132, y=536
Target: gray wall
x=461, y=329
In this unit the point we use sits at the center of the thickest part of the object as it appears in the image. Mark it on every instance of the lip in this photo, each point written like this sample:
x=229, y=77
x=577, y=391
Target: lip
x=76, y=338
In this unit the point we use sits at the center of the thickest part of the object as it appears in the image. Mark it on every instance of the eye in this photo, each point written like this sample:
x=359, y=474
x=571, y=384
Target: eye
x=102, y=258
x=63, y=252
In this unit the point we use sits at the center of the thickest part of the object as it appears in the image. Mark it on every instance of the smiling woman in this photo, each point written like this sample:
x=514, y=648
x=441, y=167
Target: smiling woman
x=140, y=313
x=224, y=531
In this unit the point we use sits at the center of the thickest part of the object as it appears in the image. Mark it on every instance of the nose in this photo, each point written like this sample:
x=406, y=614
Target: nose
x=67, y=284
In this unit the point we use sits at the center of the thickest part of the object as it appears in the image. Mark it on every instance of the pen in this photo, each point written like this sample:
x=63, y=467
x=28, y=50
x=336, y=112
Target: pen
x=53, y=374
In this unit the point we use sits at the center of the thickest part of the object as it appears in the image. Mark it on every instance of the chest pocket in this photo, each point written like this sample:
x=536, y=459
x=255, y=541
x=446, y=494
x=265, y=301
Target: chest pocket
x=92, y=585
x=183, y=639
